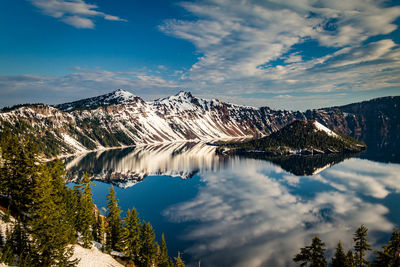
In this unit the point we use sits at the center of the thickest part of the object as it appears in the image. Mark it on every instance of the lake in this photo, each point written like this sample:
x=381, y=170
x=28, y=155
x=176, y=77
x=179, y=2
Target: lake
x=232, y=211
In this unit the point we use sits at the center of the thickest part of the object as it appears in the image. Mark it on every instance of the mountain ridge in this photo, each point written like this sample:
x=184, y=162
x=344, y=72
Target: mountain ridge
x=121, y=119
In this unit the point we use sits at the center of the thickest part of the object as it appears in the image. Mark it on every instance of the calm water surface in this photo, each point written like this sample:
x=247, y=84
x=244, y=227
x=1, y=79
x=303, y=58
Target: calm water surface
x=246, y=212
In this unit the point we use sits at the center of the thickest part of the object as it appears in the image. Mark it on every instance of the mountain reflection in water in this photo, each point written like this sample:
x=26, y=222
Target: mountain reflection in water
x=243, y=211
x=125, y=167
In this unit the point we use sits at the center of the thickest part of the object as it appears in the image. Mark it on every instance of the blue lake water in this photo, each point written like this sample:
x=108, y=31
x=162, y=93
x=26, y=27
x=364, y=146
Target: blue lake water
x=245, y=212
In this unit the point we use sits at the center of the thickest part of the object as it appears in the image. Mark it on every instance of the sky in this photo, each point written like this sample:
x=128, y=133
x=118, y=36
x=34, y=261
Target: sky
x=284, y=54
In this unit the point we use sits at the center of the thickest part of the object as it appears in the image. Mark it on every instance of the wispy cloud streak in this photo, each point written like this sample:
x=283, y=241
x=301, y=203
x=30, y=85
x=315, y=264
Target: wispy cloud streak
x=250, y=47
x=76, y=13
x=24, y=88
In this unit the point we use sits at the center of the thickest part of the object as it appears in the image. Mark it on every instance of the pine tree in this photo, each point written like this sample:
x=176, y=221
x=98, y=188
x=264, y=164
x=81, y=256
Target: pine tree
x=48, y=228
x=99, y=228
x=349, y=259
x=178, y=261
x=18, y=170
x=17, y=244
x=7, y=215
x=85, y=212
x=339, y=259
x=132, y=239
x=163, y=259
x=63, y=198
x=361, y=246
x=148, y=250
x=314, y=254
x=70, y=201
x=8, y=256
x=2, y=240
x=390, y=256
x=115, y=230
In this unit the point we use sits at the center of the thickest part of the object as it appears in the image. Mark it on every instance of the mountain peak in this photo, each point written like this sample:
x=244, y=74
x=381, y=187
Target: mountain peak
x=121, y=95
x=122, y=92
x=184, y=94
x=116, y=97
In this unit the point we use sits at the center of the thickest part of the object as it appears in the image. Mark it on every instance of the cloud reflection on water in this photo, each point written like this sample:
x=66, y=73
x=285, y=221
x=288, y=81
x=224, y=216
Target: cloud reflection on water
x=251, y=215
x=251, y=212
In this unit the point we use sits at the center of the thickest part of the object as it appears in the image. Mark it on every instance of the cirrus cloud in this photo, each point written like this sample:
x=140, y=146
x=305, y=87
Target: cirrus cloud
x=81, y=83
x=253, y=47
x=76, y=13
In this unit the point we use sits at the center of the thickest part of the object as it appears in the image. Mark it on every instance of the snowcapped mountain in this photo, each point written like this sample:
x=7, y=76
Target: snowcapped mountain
x=114, y=98
x=121, y=119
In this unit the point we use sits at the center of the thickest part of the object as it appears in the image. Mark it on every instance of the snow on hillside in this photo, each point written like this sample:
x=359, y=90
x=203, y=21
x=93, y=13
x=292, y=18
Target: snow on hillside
x=93, y=257
x=322, y=128
x=116, y=97
x=4, y=226
x=120, y=119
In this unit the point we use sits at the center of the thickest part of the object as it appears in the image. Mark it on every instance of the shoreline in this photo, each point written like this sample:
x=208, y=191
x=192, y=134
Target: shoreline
x=101, y=149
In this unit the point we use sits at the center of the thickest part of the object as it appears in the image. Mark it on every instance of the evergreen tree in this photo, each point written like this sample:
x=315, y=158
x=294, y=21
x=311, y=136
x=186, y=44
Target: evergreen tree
x=85, y=212
x=8, y=256
x=70, y=201
x=2, y=241
x=349, y=259
x=18, y=170
x=7, y=215
x=99, y=228
x=390, y=256
x=35, y=189
x=163, y=259
x=132, y=239
x=339, y=259
x=312, y=255
x=178, y=261
x=48, y=228
x=63, y=198
x=115, y=230
x=361, y=246
x=148, y=250
x=17, y=243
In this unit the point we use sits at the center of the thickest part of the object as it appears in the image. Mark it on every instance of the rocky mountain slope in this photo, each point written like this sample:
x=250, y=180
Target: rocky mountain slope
x=121, y=119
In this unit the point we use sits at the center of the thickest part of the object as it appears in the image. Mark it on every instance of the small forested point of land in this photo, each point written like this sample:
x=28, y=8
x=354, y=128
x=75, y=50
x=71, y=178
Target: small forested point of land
x=299, y=137
x=46, y=217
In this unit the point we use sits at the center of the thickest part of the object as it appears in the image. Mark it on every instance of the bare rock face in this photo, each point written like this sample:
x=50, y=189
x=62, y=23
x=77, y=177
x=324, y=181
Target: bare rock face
x=121, y=119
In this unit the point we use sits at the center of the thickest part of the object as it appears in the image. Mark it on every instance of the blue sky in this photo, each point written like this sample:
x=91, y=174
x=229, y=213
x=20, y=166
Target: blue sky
x=283, y=54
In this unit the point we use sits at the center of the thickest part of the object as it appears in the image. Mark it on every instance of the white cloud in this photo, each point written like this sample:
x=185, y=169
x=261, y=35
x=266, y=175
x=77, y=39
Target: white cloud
x=249, y=213
x=76, y=13
x=79, y=22
x=17, y=89
x=365, y=177
x=238, y=40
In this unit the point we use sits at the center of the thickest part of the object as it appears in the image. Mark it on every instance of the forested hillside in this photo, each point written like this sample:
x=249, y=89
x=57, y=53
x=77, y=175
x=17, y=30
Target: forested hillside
x=299, y=137
x=46, y=217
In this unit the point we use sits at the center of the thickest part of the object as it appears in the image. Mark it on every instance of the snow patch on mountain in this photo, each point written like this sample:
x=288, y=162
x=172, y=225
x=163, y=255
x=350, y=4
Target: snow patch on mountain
x=121, y=118
x=116, y=97
x=322, y=128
